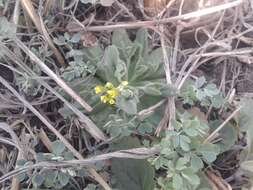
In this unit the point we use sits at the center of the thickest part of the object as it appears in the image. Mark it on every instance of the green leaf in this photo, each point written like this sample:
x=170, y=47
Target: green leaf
x=200, y=82
x=121, y=71
x=21, y=162
x=38, y=180
x=75, y=38
x=21, y=177
x=121, y=40
x=228, y=135
x=181, y=163
x=130, y=173
x=177, y=181
x=211, y=90
x=184, y=142
x=106, y=69
x=151, y=90
x=196, y=163
x=50, y=178
x=209, y=152
x=127, y=105
x=58, y=147
x=142, y=39
x=217, y=101
x=7, y=29
x=63, y=178
x=176, y=141
x=145, y=127
x=200, y=95
x=68, y=156
x=191, y=132
x=191, y=176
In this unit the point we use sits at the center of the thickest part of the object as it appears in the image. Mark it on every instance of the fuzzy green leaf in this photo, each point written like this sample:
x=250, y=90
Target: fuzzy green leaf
x=130, y=173
x=63, y=178
x=58, y=147
x=190, y=176
x=177, y=181
x=127, y=105
x=38, y=180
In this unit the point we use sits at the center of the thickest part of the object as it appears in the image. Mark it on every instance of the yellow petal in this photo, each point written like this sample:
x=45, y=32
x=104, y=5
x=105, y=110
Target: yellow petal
x=109, y=85
x=99, y=89
x=124, y=83
x=103, y=99
x=113, y=93
x=112, y=101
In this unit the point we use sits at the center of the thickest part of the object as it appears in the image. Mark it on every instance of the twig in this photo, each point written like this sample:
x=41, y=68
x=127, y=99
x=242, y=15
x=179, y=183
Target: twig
x=123, y=7
x=221, y=126
x=50, y=73
x=170, y=3
x=152, y=23
x=136, y=153
x=90, y=126
x=15, y=183
x=150, y=109
x=45, y=140
x=169, y=112
x=16, y=12
x=28, y=7
x=93, y=172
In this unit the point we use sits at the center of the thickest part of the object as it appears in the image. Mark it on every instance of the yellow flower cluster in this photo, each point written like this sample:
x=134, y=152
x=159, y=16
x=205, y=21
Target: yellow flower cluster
x=109, y=92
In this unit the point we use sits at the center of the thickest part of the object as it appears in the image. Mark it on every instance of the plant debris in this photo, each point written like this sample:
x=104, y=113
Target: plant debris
x=112, y=94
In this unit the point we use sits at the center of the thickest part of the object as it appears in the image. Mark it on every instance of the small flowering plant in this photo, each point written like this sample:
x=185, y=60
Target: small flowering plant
x=129, y=76
x=108, y=93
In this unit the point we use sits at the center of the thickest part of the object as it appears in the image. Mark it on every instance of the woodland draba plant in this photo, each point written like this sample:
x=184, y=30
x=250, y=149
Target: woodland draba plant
x=119, y=82
x=128, y=76
x=124, y=62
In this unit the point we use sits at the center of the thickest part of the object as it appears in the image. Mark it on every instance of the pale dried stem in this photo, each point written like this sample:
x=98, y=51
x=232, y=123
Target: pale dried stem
x=45, y=140
x=15, y=184
x=215, y=132
x=28, y=7
x=89, y=125
x=93, y=172
x=136, y=153
x=153, y=23
x=16, y=12
x=169, y=113
x=50, y=73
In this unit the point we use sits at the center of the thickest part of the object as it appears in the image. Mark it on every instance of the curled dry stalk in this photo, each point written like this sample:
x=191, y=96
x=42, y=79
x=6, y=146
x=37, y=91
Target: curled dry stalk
x=136, y=153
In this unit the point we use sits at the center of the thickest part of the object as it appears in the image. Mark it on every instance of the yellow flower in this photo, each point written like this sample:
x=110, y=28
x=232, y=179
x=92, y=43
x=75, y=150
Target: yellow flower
x=113, y=93
x=109, y=85
x=104, y=99
x=109, y=92
x=112, y=101
x=124, y=83
x=99, y=89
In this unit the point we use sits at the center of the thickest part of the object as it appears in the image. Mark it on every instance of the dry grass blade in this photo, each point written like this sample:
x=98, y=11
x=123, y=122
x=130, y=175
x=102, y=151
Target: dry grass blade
x=89, y=125
x=45, y=140
x=50, y=73
x=136, y=153
x=15, y=184
x=153, y=23
x=222, y=125
x=28, y=7
x=93, y=173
